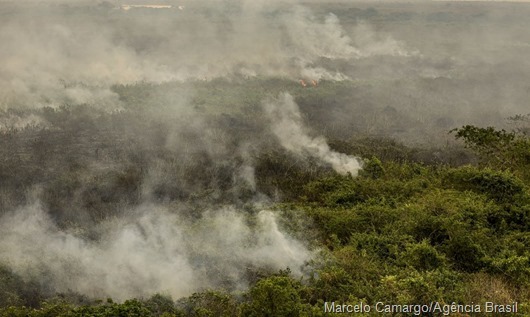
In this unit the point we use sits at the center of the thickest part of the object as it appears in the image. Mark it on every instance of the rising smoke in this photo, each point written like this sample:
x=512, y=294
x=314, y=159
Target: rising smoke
x=286, y=123
x=73, y=55
x=152, y=250
x=182, y=223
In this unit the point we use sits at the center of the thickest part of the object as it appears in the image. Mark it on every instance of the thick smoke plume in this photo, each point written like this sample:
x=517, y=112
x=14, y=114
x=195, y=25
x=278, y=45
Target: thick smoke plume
x=287, y=125
x=152, y=250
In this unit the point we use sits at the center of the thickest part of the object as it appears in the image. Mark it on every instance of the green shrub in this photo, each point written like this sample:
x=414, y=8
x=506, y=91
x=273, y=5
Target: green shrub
x=373, y=168
x=422, y=256
x=333, y=191
x=160, y=304
x=343, y=191
x=510, y=217
x=130, y=308
x=465, y=250
x=499, y=148
x=503, y=187
x=276, y=296
x=386, y=247
x=333, y=283
x=512, y=265
x=209, y=303
x=411, y=286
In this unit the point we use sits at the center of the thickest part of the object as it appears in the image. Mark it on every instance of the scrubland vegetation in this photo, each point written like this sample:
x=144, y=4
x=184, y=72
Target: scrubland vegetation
x=410, y=228
x=155, y=186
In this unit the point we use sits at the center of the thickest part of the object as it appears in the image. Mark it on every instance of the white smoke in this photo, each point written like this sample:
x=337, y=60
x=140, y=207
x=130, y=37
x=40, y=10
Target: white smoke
x=54, y=58
x=313, y=39
x=287, y=125
x=152, y=250
x=375, y=44
x=18, y=122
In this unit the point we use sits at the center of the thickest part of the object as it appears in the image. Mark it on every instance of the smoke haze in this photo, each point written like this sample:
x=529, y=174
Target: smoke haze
x=63, y=55
x=150, y=251
x=147, y=134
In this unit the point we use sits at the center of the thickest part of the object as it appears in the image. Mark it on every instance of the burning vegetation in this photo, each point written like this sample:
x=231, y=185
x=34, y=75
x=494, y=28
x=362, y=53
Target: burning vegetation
x=262, y=158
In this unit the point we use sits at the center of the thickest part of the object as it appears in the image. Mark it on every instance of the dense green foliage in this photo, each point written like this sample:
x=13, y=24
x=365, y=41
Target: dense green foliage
x=401, y=231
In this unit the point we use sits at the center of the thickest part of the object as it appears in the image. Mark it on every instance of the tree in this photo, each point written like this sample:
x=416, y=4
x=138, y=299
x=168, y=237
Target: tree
x=276, y=296
x=499, y=148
